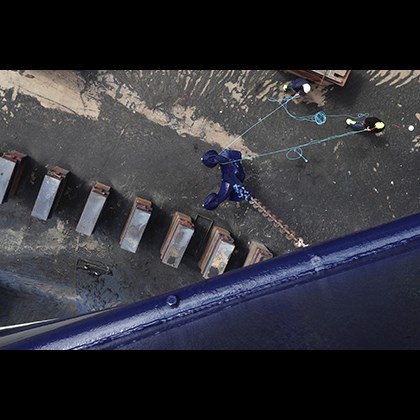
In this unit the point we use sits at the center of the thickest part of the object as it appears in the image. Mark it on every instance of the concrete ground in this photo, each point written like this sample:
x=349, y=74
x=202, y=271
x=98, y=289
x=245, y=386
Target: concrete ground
x=143, y=133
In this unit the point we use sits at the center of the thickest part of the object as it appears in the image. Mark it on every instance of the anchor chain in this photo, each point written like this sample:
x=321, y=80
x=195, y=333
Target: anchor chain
x=298, y=242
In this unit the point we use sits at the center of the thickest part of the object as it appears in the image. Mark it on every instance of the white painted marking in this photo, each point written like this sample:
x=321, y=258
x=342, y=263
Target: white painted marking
x=56, y=89
x=402, y=77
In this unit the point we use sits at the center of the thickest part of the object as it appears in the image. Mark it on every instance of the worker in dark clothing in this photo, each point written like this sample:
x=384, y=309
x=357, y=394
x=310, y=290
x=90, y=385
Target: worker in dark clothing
x=373, y=124
x=300, y=86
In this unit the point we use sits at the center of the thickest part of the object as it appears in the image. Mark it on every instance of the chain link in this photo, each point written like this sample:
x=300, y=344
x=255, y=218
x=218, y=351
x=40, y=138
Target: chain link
x=298, y=242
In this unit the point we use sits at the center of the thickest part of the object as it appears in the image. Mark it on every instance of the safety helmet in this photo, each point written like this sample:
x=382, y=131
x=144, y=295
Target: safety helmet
x=284, y=87
x=306, y=88
x=379, y=125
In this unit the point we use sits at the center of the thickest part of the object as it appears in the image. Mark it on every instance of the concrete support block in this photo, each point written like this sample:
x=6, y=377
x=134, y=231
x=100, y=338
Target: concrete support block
x=136, y=225
x=217, y=253
x=93, y=208
x=177, y=239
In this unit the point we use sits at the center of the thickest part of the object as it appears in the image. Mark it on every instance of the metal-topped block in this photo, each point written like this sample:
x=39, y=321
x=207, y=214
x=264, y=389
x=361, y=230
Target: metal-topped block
x=217, y=253
x=324, y=77
x=136, y=224
x=177, y=239
x=336, y=76
x=50, y=193
x=257, y=253
x=93, y=208
x=12, y=165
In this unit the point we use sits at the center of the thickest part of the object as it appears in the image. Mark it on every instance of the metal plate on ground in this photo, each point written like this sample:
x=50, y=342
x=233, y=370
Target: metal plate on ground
x=93, y=268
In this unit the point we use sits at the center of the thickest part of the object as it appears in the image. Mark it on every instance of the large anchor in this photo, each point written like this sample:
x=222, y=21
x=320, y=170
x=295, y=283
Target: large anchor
x=233, y=189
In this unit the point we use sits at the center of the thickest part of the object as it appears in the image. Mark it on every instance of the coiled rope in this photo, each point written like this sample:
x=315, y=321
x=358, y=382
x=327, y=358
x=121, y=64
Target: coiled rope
x=319, y=118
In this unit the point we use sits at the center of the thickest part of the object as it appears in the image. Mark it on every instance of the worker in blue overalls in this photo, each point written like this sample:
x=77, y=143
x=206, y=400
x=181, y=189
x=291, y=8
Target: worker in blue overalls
x=300, y=86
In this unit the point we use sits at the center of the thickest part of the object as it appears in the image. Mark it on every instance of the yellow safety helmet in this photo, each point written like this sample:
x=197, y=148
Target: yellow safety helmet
x=379, y=125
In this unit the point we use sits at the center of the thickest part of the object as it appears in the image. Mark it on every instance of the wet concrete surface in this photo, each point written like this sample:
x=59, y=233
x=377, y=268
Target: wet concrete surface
x=143, y=133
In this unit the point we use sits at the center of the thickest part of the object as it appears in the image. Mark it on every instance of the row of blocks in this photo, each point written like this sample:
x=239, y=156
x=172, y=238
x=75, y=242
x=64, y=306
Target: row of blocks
x=217, y=252
x=11, y=168
x=218, y=249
